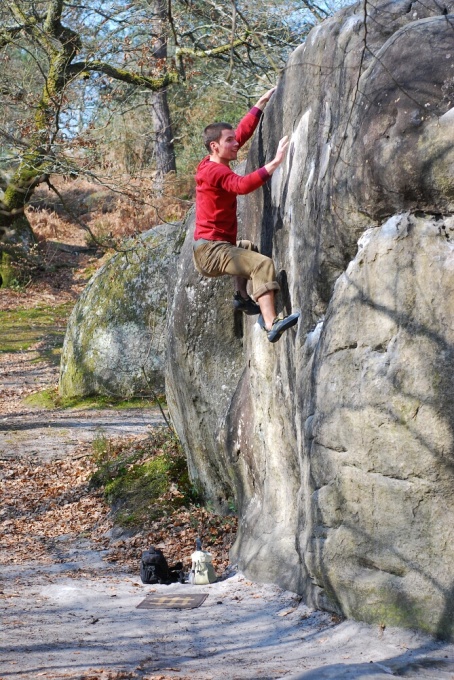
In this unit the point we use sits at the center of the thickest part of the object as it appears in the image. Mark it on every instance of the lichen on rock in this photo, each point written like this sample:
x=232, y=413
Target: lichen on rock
x=115, y=342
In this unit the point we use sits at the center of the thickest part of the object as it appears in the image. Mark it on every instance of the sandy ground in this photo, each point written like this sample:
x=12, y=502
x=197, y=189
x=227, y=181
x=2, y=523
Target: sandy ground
x=46, y=436
x=77, y=618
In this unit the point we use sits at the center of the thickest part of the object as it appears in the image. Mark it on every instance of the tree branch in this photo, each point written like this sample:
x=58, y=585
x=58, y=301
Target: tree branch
x=31, y=26
x=213, y=52
x=8, y=34
x=259, y=42
x=319, y=13
x=232, y=50
x=12, y=139
x=53, y=19
x=81, y=67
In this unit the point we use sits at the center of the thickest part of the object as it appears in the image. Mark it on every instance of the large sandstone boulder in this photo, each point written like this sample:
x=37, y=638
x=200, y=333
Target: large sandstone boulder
x=205, y=361
x=115, y=342
x=337, y=442
x=378, y=503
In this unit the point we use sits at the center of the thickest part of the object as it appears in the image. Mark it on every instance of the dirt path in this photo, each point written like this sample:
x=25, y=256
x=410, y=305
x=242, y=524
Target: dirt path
x=55, y=434
x=73, y=615
x=77, y=618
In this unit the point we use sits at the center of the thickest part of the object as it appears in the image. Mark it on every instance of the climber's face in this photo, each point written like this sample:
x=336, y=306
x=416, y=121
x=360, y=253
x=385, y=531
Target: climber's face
x=226, y=149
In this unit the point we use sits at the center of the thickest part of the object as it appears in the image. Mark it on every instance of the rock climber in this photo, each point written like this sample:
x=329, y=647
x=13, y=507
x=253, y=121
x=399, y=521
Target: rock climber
x=215, y=248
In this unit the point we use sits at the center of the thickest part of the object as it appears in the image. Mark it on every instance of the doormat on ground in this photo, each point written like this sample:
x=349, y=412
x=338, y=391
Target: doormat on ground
x=189, y=601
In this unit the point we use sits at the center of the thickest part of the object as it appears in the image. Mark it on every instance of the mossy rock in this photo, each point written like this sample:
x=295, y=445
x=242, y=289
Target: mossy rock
x=115, y=342
x=143, y=481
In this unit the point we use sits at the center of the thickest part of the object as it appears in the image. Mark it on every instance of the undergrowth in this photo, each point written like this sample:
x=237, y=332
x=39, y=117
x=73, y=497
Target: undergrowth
x=143, y=480
x=22, y=328
x=49, y=398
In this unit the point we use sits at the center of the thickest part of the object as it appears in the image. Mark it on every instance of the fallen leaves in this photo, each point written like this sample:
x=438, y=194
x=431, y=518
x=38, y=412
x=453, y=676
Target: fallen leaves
x=49, y=504
x=42, y=502
x=286, y=612
x=178, y=546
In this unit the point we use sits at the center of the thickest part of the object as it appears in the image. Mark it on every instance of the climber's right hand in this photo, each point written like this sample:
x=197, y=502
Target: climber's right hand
x=281, y=149
x=279, y=157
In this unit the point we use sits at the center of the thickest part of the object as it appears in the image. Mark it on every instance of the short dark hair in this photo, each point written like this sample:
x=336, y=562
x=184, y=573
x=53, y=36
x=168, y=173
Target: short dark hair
x=213, y=132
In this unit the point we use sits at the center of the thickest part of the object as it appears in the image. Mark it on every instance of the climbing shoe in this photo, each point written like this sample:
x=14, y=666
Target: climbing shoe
x=248, y=306
x=279, y=326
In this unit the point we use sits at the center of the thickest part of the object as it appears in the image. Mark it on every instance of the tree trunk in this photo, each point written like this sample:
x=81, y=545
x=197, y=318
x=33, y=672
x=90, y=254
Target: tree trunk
x=16, y=235
x=165, y=154
x=7, y=273
x=162, y=125
x=15, y=229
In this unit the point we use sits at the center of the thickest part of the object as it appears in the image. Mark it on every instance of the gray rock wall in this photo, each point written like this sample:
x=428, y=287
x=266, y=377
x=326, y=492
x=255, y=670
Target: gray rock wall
x=378, y=503
x=337, y=442
x=204, y=366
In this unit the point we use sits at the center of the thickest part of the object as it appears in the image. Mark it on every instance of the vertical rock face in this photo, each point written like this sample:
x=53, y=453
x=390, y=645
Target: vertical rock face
x=337, y=442
x=378, y=449
x=205, y=361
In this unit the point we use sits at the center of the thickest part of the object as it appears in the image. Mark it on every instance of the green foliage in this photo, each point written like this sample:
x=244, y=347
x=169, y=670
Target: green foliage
x=49, y=398
x=43, y=399
x=22, y=328
x=143, y=480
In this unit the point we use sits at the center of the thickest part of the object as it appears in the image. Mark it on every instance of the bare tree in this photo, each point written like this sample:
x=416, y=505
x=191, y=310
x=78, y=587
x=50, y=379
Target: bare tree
x=162, y=125
x=67, y=67
x=58, y=47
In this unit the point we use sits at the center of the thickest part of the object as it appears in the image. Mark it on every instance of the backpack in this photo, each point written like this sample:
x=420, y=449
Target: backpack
x=154, y=567
x=176, y=574
x=202, y=571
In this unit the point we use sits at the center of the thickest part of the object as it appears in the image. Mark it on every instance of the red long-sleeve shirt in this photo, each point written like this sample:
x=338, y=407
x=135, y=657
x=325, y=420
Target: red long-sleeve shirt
x=217, y=187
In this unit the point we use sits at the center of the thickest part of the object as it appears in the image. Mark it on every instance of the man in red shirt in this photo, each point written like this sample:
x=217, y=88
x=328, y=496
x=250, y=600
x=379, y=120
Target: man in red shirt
x=216, y=250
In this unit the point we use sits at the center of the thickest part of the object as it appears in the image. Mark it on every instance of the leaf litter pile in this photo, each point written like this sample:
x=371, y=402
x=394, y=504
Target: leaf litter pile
x=139, y=484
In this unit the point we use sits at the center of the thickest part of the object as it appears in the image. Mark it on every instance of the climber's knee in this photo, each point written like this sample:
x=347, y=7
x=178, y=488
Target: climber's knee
x=264, y=288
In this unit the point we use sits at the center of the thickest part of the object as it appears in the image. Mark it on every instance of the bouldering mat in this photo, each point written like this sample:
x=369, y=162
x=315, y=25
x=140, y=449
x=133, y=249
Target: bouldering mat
x=157, y=601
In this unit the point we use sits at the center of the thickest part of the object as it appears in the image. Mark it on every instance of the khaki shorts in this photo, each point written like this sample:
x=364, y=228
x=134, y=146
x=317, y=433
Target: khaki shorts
x=220, y=258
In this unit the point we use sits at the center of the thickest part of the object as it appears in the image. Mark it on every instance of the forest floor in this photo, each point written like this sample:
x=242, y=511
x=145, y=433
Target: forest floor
x=69, y=585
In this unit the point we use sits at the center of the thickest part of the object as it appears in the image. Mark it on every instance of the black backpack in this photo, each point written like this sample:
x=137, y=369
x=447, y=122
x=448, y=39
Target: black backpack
x=154, y=567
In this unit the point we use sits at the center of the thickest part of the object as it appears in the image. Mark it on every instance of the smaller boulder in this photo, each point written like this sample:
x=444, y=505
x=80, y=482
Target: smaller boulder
x=115, y=342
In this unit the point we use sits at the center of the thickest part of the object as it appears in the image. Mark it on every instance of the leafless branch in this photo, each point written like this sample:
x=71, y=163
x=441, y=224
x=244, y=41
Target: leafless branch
x=125, y=76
